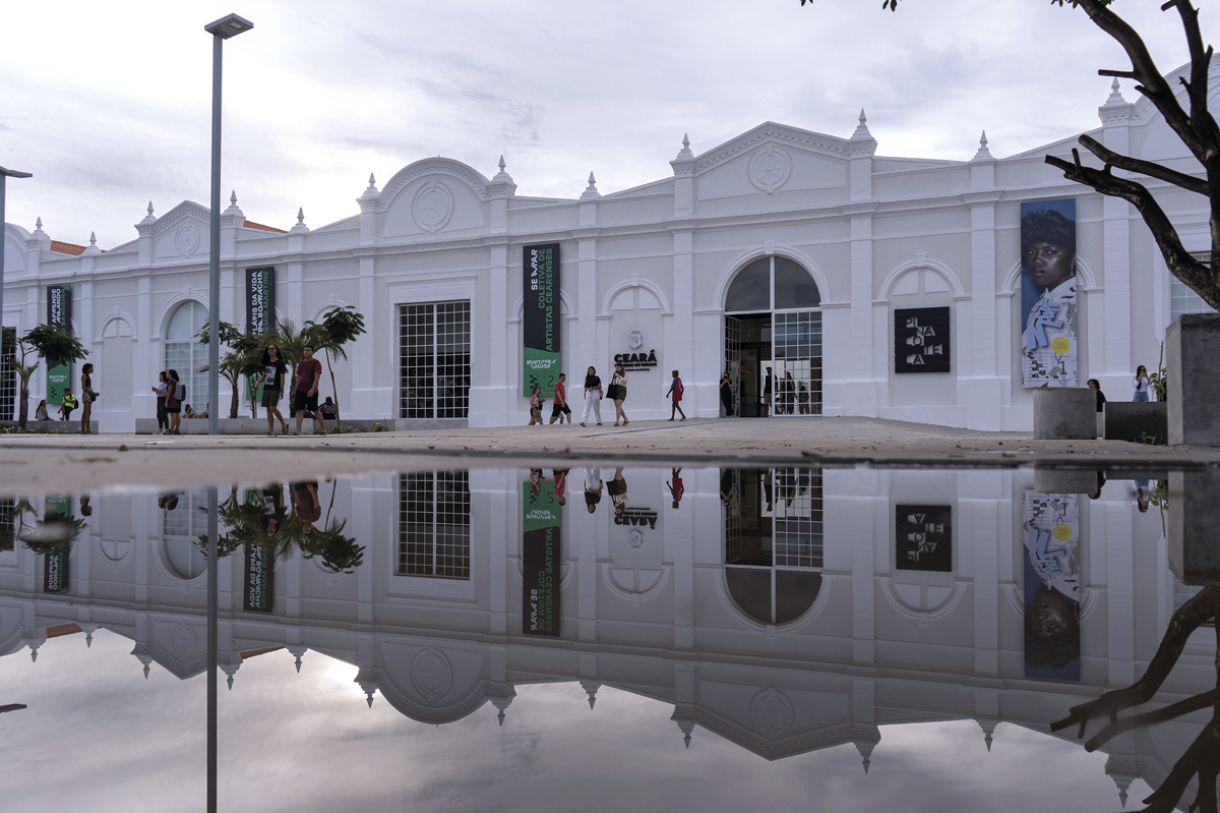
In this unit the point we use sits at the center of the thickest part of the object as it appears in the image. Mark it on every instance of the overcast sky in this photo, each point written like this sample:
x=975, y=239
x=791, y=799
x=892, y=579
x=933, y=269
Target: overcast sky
x=108, y=104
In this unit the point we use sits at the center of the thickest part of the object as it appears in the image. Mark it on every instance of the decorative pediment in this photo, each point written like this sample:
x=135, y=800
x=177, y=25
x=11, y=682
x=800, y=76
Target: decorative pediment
x=781, y=137
x=430, y=684
x=181, y=233
x=772, y=158
x=433, y=195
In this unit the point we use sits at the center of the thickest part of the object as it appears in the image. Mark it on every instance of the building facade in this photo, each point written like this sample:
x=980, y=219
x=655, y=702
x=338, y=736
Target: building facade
x=807, y=253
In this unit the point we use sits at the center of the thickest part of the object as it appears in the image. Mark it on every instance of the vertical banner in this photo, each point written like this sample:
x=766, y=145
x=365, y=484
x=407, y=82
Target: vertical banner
x=260, y=300
x=260, y=578
x=1051, y=532
x=540, y=550
x=1049, y=343
x=540, y=317
x=55, y=574
x=59, y=314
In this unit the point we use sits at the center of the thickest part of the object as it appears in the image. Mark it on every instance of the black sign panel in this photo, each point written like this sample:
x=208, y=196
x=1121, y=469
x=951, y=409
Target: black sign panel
x=260, y=300
x=921, y=340
x=924, y=538
x=260, y=579
x=540, y=317
x=55, y=570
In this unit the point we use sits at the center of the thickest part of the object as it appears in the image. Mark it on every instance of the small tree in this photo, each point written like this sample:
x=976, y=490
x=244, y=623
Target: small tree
x=241, y=358
x=56, y=346
x=339, y=326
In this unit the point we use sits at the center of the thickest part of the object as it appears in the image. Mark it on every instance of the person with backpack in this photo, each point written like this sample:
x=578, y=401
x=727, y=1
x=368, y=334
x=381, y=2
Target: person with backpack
x=675, y=392
x=69, y=403
x=175, y=393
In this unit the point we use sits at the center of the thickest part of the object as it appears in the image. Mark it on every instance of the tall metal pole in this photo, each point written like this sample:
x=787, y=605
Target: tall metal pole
x=213, y=638
x=214, y=241
x=3, y=178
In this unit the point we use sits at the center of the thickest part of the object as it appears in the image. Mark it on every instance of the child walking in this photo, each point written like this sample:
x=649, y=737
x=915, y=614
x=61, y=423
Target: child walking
x=675, y=396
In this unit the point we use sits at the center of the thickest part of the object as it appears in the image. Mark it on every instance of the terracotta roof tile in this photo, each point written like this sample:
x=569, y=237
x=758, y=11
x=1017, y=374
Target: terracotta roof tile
x=254, y=653
x=60, y=247
x=250, y=224
x=62, y=629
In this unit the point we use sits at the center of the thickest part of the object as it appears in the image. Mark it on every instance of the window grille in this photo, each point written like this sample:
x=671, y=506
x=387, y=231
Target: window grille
x=434, y=525
x=434, y=360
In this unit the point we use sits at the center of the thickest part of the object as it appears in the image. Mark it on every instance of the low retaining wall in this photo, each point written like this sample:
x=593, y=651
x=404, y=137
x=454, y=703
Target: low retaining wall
x=1066, y=413
x=48, y=427
x=1138, y=421
x=258, y=426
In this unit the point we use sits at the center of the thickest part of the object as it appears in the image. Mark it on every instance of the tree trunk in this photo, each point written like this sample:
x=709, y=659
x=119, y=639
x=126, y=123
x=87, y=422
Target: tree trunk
x=233, y=383
x=335, y=390
x=23, y=411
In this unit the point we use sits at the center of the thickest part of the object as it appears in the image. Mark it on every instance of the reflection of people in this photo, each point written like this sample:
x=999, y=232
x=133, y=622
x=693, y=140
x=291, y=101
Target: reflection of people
x=1141, y=384
x=617, y=488
x=535, y=479
x=676, y=487
x=305, y=504
x=273, y=508
x=1048, y=341
x=86, y=508
x=168, y=501
x=593, y=488
x=1143, y=496
x=726, y=394
x=561, y=485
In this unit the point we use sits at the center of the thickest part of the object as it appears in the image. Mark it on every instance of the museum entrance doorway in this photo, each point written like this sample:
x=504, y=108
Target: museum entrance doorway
x=773, y=340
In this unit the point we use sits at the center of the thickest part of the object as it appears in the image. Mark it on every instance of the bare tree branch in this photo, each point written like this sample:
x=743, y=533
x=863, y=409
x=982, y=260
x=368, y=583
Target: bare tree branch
x=1152, y=169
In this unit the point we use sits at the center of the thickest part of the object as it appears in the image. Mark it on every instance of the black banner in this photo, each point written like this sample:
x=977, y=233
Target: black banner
x=540, y=521
x=260, y=579
x=921, y=340
x=55, y=570
x=260, y=300
x=540, y=317
x=924, y=538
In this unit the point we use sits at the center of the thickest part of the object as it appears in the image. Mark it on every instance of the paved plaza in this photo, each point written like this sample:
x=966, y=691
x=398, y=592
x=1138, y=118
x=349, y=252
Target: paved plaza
x=41, y=463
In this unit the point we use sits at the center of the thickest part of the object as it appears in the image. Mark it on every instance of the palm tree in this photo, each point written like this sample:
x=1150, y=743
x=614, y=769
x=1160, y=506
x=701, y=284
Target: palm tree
x=242, y=358
x=291, y=344
x=56, y=346
x=339, y=326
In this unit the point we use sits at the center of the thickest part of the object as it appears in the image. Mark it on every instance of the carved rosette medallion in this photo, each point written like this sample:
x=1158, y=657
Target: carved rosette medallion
x=184, y=640
x=771, y=711
x=770, y=168
x=431, y=674
x=186, y=239
x=433, y=206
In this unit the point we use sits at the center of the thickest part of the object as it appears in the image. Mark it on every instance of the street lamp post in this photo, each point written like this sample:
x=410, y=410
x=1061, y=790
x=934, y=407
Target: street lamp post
x=221, y=30
x=5, y=174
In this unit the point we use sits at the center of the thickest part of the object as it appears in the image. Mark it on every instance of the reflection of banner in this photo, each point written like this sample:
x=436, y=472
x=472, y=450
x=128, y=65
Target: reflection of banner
x=260, y=578
x=924, y=538
x=55, y=575
x=921, y=340
x=260, y=300
x=540, y=526
x=59, y=314
x=1049, y=345
x=1051, y=532
x=540, y=317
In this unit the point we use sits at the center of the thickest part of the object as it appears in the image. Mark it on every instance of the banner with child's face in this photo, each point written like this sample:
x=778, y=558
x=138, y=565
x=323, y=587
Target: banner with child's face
x=1049, y=339
x=1050, y=529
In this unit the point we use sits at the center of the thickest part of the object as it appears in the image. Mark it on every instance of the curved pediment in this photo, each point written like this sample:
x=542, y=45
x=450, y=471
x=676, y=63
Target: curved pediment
x=434, y=195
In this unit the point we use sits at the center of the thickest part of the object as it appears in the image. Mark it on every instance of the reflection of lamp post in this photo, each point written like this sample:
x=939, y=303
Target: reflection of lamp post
x=221, y=30
x=5, y=174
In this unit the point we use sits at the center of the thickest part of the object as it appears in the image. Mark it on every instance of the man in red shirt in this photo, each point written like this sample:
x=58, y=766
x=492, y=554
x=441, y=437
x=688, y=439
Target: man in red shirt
x=559, y=407
x=305, y=394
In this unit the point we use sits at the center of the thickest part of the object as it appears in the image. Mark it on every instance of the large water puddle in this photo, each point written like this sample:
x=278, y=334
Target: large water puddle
x=608, y=638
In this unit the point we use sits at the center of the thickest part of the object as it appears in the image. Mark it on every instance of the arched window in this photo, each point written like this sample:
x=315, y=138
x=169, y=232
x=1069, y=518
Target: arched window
x=772, y=283
x=184, y=353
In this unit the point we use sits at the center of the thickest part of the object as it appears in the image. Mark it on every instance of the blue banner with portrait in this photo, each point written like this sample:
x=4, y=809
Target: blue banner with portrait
x=1049, y=295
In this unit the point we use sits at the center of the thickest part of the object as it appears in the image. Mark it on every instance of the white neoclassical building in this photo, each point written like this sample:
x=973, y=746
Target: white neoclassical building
x=777, y=608
x=781, y=248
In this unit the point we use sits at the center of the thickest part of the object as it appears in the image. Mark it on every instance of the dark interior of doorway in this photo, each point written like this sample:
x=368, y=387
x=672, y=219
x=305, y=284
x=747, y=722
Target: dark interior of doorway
x=754, y=356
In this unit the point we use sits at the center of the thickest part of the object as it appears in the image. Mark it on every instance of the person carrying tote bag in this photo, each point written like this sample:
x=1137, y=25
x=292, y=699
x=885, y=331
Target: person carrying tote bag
x=618, y=393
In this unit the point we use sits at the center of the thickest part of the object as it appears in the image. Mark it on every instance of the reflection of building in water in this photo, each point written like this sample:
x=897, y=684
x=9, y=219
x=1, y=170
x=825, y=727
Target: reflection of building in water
x=796, y=623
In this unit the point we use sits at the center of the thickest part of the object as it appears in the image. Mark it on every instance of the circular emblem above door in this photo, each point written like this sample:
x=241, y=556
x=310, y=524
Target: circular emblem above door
x=433, y=206
x=186, y=239
x=769, y=169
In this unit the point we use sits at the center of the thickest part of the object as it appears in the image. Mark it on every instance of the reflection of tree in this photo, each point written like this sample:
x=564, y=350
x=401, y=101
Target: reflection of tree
x=55, y=532
x=1202, y=757
x=12, y=521
x=244, y=523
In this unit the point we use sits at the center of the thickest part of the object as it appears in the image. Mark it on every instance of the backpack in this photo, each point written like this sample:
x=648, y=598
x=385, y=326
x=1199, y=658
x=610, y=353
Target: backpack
x=179, y=392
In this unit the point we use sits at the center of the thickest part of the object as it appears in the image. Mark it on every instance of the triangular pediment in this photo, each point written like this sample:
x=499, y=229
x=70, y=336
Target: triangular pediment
x=769, y=132
x=774, y=158
x=181, y=233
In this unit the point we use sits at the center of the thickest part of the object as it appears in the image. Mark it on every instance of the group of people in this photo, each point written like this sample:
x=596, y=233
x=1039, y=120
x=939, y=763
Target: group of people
x=1142, y=387
x=593, y=393
x=69, y=403
x=307, y=376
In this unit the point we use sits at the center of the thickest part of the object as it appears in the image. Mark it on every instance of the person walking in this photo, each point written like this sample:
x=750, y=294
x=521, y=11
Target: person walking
x=272, y=379
x=593, y=395
x=618, y=393
x=174, y=393
x=87, y=396
x=535, y=405
x=726, y=394
x=768, y=392
x=1142, y=384
x=675, y=396
x=67, y=405
x=162, y=417
x=305, y=393
x=559, y=407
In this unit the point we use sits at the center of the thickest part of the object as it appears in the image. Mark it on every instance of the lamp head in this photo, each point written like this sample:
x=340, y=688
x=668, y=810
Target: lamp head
x=12, y=173
x=228, y=27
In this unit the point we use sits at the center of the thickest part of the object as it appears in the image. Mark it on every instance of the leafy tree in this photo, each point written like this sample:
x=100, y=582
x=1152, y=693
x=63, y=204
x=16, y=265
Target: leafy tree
x=56, y=346
x=339, y=326
x=1193, y=123
x=241, y=358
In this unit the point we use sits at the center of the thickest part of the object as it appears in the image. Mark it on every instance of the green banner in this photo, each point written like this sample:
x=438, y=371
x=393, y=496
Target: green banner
x=59, y=314
x=55, y=573
x=540, y=526
x=540, y=317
